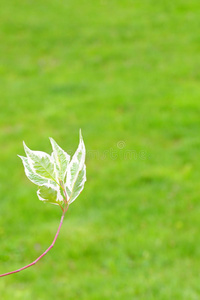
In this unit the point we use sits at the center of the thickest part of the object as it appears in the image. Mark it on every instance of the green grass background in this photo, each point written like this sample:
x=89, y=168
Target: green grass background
x=127, y=73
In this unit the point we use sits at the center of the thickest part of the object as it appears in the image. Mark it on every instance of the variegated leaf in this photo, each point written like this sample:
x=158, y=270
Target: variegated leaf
x=76, y=172
x=78, y=184
x=61, y=159
x=48, y=194
x=76, y=164
x=35, y=178
x=41, y=163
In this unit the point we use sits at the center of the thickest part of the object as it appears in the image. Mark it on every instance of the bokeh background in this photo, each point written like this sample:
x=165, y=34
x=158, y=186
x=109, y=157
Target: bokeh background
x=127, y=73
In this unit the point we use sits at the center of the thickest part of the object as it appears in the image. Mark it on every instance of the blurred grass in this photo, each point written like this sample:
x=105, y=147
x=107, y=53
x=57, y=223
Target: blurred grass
x=127, y=73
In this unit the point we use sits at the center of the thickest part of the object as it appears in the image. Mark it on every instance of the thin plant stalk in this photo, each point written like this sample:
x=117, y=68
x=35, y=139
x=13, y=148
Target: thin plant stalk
x=45, y=252
x=45, y=170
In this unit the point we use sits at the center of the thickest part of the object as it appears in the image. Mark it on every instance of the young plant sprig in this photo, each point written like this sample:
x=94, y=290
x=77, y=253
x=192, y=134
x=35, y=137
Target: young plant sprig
x=60, y=180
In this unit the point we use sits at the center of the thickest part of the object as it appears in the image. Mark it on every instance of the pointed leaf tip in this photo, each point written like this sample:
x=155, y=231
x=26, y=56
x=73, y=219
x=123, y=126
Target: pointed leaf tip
x=20, y=156
x=80, y=134
x=24, y=143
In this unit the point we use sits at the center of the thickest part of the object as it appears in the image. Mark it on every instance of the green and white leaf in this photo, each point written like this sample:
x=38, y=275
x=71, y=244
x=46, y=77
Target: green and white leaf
x=78, y=184
x=41, y=163
x=61, y=160
x=32, y=176
x=48, y=194
x=76, y=172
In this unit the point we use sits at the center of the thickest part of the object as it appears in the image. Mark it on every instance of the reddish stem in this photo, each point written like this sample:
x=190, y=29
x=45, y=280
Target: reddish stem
x=43, y=254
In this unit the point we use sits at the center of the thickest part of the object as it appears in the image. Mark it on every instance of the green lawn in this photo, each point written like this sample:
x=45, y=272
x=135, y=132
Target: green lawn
x=127, y=73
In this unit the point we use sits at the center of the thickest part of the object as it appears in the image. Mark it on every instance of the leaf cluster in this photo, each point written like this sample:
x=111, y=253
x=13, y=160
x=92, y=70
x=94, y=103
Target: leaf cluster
x=60, y=180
